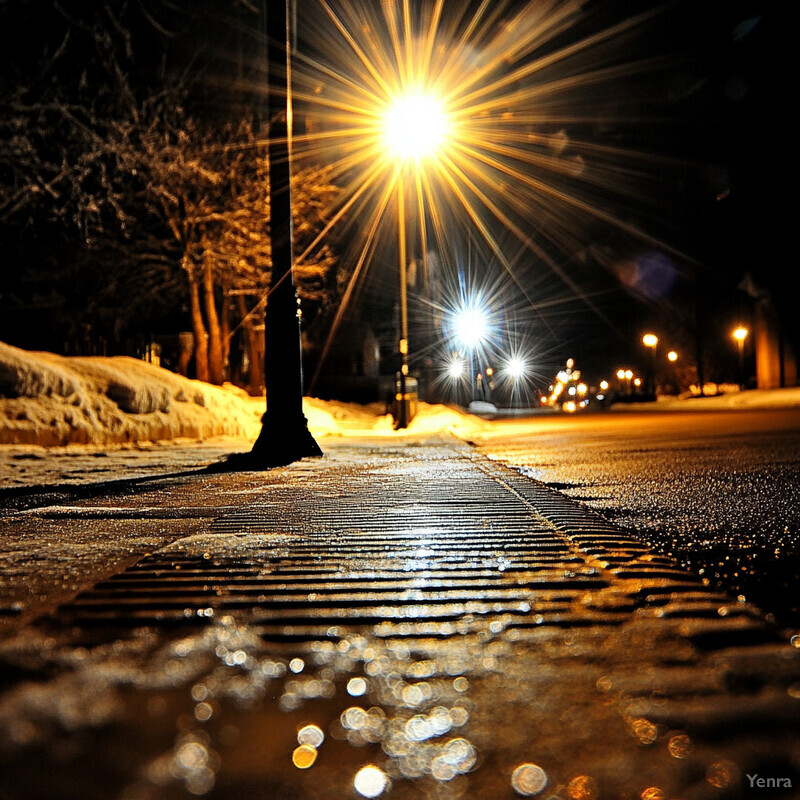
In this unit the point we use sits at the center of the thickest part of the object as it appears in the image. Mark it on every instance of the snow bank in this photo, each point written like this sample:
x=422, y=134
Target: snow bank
x=332, y=417
x=51, y=400
x=54, y=401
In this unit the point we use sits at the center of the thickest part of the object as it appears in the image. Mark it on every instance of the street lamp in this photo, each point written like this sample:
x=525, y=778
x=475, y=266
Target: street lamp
x=414, y=126
x=740, y=334
x=284, y=435
x=650, y=340
x=515, y=367
x=471, y=327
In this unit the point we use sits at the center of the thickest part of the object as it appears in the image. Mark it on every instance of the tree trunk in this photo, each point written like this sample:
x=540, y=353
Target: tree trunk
x=255, y=354
x=198, y=329
x=225, y=323
x=215, y=360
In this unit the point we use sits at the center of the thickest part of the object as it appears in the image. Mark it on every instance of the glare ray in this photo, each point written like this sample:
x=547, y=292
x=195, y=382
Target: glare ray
x=354, y=278
x=512, y=87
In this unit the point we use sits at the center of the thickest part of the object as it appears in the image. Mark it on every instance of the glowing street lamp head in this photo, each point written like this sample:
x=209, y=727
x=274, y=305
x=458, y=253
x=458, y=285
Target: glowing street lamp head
x=471, y=326
x=740, y=334
x=455, y=369
x=515, y=368
x=649, y=340
x=414, y=126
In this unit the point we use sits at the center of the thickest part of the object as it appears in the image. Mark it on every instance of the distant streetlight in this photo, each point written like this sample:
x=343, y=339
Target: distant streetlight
x=414, y=127
x=740, y=334
x=515, y=368
x=650, y=340
x=455, y=369
x=672, y=356
x=471, y=327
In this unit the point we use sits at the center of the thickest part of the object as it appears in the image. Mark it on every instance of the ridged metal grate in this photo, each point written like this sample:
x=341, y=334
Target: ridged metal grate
x=462, y=540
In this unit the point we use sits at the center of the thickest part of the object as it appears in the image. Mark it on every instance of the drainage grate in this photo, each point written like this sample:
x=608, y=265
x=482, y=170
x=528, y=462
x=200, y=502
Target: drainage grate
x=441, y=548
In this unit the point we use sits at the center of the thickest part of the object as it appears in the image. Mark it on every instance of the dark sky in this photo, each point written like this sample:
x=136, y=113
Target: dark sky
x=709, y=113
x=702, y=117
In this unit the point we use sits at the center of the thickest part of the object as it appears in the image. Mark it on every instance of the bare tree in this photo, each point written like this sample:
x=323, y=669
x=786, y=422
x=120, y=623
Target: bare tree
x=106, y=158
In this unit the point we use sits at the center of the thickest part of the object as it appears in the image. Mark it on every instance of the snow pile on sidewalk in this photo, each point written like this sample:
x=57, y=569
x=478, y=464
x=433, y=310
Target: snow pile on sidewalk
x=336, y=418
x=52, y=400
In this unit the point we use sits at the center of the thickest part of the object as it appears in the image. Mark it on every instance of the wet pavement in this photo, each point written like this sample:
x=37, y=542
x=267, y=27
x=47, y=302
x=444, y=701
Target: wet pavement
x=719, y=491
x=394, y=620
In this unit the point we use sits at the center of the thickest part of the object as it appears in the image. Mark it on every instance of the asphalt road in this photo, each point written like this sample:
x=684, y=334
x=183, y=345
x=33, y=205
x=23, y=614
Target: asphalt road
x=719, y=491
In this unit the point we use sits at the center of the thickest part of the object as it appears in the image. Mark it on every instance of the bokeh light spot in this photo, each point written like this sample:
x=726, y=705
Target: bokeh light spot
x=528, y=779
x=311, y=735
x=356, y=687
x=304, y=756
x=582, y=787
x=370, y=781
x=722, y=774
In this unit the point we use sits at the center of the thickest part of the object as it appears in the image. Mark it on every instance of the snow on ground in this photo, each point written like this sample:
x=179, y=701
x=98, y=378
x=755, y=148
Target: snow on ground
x=87, y=419
x=51, y=400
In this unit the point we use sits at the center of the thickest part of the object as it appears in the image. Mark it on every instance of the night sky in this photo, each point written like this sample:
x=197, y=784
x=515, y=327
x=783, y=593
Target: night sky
x=709, y=180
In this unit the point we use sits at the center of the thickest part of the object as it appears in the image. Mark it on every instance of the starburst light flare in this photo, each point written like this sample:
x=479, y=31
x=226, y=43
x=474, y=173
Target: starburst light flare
x=488, y=117
x=415, y=126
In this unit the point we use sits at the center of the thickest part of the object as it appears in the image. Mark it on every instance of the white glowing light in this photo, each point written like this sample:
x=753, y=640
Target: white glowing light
x=455, y=369
x=415, y=126
x=311, y=735
x=471, y=326
x=356, y=687
x=515, y=367
x=528, y=779
x=370, y=781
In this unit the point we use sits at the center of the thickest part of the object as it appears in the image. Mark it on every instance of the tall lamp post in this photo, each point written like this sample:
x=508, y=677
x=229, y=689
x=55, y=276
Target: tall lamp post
x=740, y=334
x=650, y=340
x=414, y=126
x=471, y=328
x=284, y=436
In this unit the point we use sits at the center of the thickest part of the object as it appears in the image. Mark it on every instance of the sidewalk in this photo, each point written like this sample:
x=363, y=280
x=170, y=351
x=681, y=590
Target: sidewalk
x=401, y=620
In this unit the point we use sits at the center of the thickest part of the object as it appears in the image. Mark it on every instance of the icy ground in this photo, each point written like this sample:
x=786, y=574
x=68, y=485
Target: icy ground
x=83, y=420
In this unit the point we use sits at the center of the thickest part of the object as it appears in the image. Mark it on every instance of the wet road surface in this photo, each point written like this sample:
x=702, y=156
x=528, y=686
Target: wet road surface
x=413, y=621
x=719, y=491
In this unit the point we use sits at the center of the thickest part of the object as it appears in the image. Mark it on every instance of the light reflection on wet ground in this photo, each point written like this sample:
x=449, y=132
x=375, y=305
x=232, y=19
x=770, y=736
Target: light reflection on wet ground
x=720, y=492
x=218, y=712
x=453, y=643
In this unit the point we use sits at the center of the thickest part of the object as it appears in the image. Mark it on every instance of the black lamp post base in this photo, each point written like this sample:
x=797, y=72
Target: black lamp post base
x=281, y=442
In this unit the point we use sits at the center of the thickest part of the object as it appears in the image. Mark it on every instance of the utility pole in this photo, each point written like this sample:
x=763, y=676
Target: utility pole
x=284, y=436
